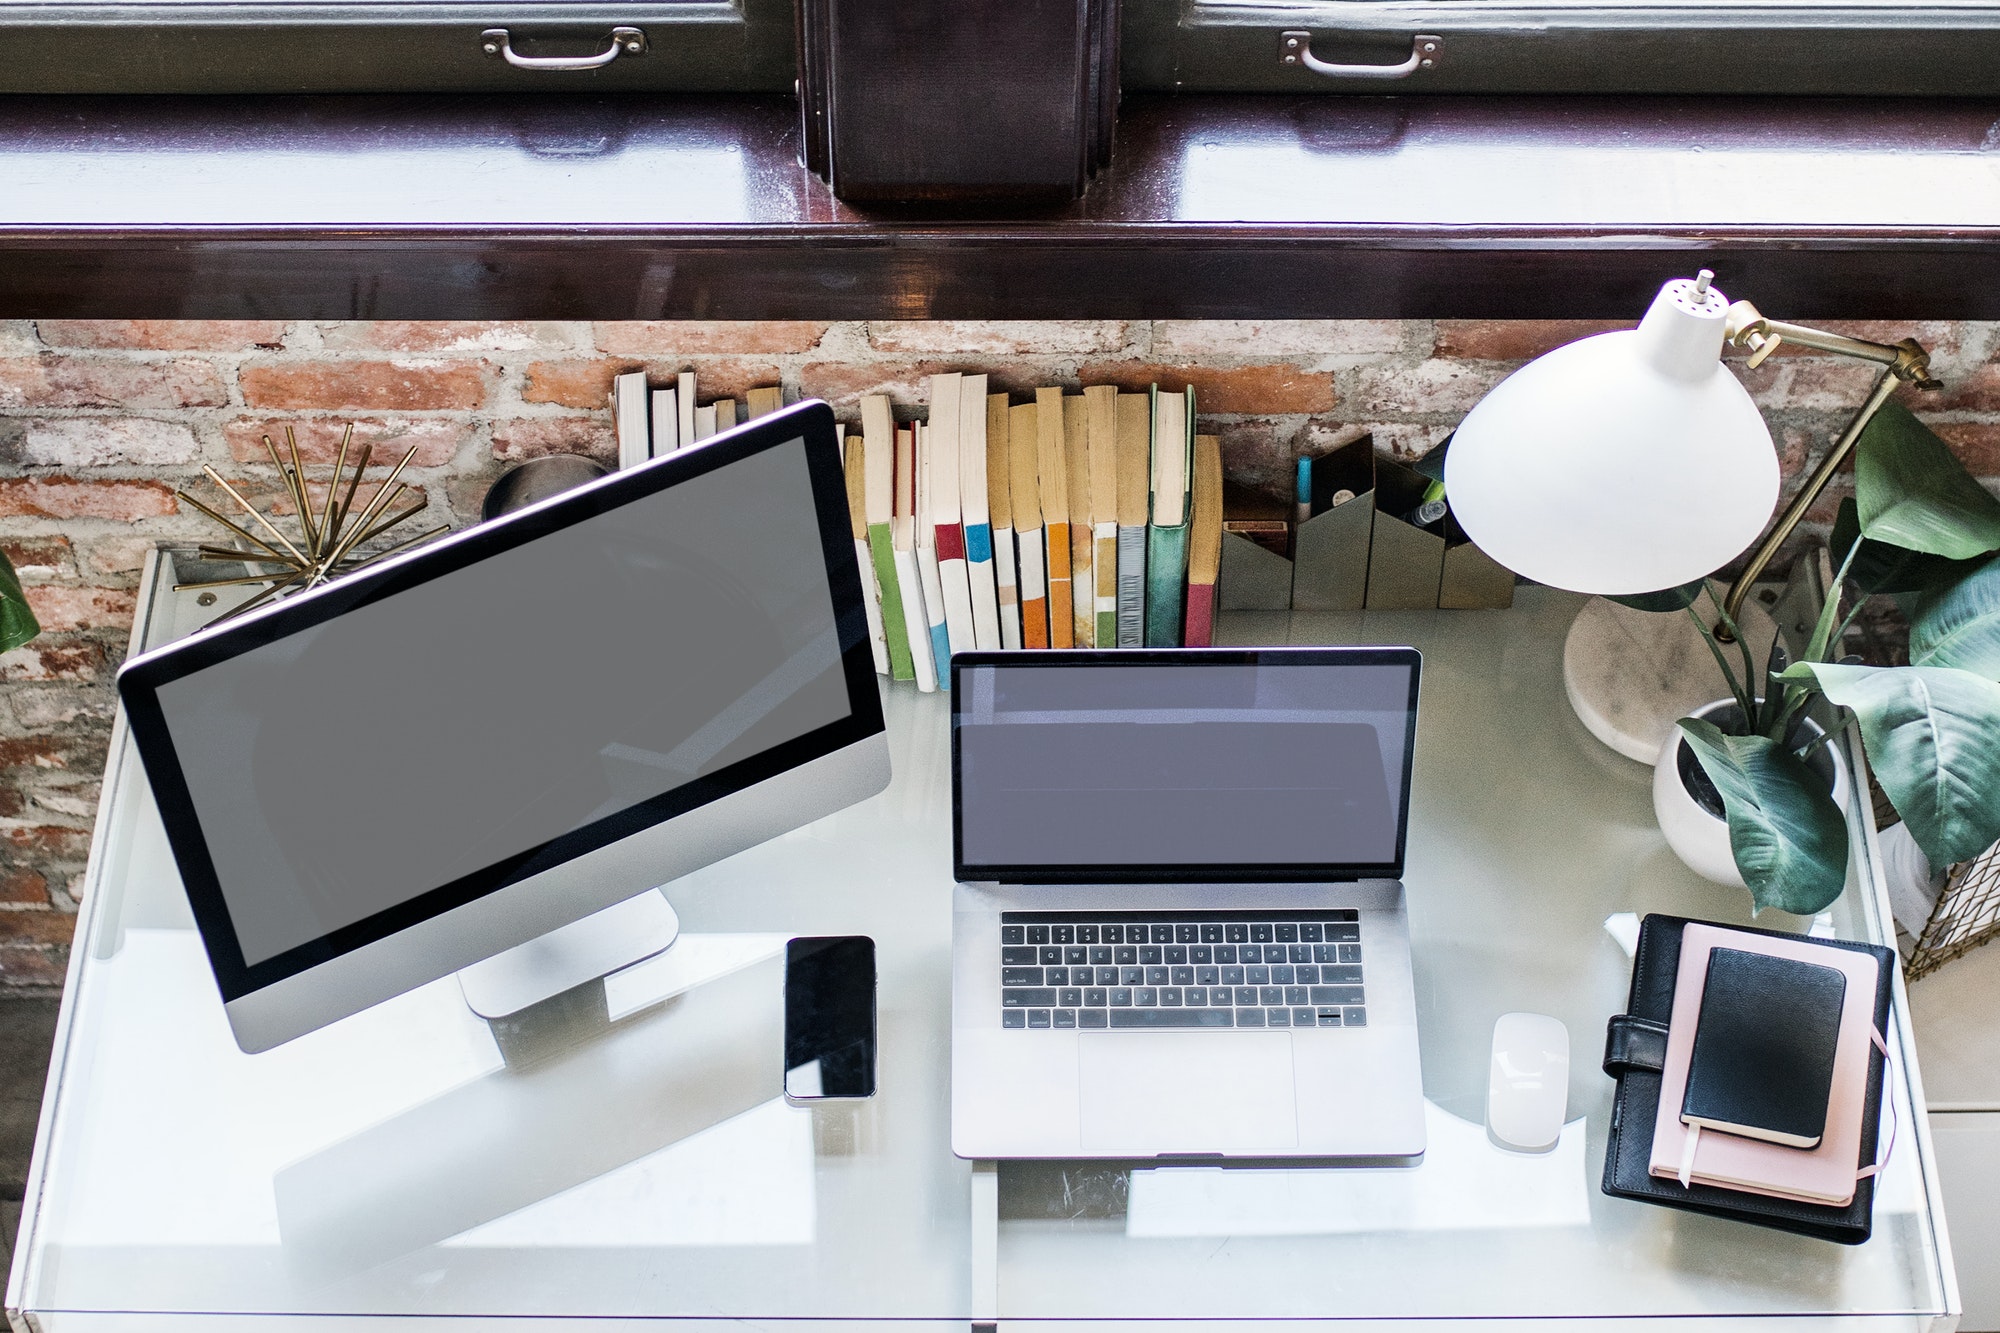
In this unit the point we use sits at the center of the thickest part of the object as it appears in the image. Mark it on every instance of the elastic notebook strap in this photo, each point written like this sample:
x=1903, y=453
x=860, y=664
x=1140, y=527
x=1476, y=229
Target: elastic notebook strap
x=1634, y=1043
x=1888, y=1089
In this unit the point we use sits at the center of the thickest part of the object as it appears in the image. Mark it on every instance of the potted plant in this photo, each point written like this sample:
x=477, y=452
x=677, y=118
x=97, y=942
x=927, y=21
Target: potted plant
x=1918, y=526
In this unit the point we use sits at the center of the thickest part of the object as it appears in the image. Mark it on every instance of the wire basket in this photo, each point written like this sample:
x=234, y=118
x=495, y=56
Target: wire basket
x=1967, y=915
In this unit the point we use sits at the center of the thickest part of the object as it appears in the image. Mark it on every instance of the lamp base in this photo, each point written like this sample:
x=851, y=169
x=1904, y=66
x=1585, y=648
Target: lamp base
x=1630, y=675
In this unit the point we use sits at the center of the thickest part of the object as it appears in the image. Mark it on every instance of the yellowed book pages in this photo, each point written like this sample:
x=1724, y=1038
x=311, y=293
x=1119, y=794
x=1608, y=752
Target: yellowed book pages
x=1135, y=457
x=1205, y=525
x=1024, y=492
x=1051, y=464
x=1083, y=588
x=762, y=402
x=725, y=414
x=1000, y=508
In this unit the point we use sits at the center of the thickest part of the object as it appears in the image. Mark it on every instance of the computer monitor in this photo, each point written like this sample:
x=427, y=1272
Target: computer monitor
x=529, y=724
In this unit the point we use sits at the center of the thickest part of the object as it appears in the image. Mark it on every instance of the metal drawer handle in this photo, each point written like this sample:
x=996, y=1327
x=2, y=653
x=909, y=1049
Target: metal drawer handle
x=624, y=41
x=1295, y=48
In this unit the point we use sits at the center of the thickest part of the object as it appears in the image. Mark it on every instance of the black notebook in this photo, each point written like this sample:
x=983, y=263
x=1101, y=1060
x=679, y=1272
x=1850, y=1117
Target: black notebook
x=1635, y=1050
x=1762, y=1064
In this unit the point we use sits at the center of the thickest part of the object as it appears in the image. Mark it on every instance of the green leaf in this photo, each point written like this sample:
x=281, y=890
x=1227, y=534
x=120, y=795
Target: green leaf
x=1789, y=838
x=1958, y=624
x=1912, y=491
x=1933, y=737
x=1880, y=567
x=17, y=618
x=1666, y=599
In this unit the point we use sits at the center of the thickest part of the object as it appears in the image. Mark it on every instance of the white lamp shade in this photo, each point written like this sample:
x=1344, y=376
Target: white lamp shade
x=1624, y=463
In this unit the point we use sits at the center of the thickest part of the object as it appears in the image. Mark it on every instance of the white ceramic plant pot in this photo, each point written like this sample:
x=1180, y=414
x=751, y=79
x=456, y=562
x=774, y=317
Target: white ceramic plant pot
x=1701, y=838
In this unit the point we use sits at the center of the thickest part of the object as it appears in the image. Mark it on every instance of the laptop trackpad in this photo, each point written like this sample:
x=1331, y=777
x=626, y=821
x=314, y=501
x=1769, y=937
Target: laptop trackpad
x=1145, y=1093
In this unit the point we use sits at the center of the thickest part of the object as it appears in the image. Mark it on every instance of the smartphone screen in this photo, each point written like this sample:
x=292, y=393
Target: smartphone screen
x=830, y=1017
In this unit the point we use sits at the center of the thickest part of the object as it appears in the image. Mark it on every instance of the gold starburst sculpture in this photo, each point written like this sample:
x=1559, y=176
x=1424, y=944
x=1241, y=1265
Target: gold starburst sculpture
x=330, y=533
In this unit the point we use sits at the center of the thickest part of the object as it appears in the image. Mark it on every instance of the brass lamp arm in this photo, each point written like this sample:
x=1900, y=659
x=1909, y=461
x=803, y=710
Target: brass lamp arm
x=1905, y=362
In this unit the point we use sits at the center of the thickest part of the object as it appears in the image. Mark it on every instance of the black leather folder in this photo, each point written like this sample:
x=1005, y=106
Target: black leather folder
x=1635, y=1048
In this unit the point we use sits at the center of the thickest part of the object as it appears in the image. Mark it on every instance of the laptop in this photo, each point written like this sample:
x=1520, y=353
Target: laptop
x=1178, y=931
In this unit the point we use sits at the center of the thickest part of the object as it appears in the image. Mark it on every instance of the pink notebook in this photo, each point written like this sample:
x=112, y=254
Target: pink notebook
x=1825, y=1174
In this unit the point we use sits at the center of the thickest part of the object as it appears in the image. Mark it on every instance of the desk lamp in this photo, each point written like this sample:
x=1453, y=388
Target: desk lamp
x=1633, y=462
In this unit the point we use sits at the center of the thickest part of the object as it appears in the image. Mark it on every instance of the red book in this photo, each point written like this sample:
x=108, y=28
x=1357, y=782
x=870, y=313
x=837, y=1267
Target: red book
x=1204, y=542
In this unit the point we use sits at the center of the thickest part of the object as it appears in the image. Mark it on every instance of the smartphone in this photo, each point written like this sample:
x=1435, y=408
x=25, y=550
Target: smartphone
x=829, y=1018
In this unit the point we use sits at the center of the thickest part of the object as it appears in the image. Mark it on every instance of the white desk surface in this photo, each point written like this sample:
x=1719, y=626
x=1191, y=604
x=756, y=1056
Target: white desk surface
x=646, y=1168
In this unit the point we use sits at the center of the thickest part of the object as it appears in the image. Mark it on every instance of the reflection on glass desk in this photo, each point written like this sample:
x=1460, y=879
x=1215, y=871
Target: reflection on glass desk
x=627, y=1154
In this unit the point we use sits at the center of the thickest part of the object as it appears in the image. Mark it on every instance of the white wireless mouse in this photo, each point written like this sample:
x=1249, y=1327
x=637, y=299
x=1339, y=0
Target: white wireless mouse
x=1527, y=1088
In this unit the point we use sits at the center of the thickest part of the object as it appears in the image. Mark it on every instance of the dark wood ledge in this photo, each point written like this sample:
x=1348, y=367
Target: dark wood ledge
x=618, y=207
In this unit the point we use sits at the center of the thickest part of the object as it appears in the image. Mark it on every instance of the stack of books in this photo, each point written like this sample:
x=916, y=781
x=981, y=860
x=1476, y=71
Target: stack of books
x=1749, y=1072
x=651, y=421
x=1089, y=520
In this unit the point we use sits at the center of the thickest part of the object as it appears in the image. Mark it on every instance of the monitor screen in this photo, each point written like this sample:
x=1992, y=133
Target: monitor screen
x=1271, y=764
x=502, y=706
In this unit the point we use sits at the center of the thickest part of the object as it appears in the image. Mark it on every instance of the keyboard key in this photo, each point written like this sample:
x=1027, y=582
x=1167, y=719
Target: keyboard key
x=1055, y=976
x=1281, y=976
x=1112, y=934
x=1349, y=953
x=1207, y=976
x=1302, y=1018
x=1295, y=995
x=1125, y=954
x=1051, y=955
x=1232, y=976
x=1107, y=976
x=1260, y=932
x=1019, y=957
x=1298, y=953
x=1181, y=976
x=1329, y=1018
x=1145, y=997
x=1340, y=976
x=1177, y=953
x=1306, y=974
x=1250, y=953
x=1070, y=998
x=1226, y=953
x=1195, y=995
x=1028, y=998
x=1170, y=996
x=1013, y=1018
x=1270, y=995
x=1201, y=953
x=1065, y=1018
x=1091, y=1018
x=1013, y=935
x=1326, y=953
x=1309, y=932
x=1096, y=997
x=1235, y=934
x=1150, y=954
x=1246, y=995
x=1344, y=934
x=1341, y=995
x=1247, y=1018
x=1038, y=1018
x=1353, y=1017
x=1086, y=934
x=1038, y=934
x=1211, y=934
x=1257, y=976
x=1075, y=953
x=1063, y=935
x=1163, y=933
x=1100, y=955
x=1288, y=934
x=1020, y=976
x=1277, y=1018
x=1121, y=995
x=1170, y=1018
x=1131, y=976
x=1156, y=976
x=1185, y=934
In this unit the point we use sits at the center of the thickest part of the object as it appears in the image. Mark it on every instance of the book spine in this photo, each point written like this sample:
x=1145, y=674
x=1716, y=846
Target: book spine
x=1006, y=588
x=1034, y=589
x=666, y=422
x=882, y=550
x=979, y=571
x=632, y=412
x=1062, y=622
x=871, y=601
x=928, y=569
x=1166, y=584
x=909, y=580
x=1200, y=616
x=1083, y=589
x=1132, y=585
x=957, y=584
x=1105, y=567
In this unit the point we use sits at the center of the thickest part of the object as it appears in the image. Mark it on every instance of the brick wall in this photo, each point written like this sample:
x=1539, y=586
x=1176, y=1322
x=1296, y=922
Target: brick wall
x=101, y=421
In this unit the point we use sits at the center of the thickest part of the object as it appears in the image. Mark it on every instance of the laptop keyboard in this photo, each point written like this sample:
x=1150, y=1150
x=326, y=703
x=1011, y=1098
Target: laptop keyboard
x=1181, y=970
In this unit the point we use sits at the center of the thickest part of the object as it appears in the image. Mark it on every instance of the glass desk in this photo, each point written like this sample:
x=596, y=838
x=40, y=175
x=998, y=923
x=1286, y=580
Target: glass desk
x=631, y=1159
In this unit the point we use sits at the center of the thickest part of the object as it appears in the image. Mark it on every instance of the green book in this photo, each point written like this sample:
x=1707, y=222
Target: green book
x=883, y=553
x=1167, y=522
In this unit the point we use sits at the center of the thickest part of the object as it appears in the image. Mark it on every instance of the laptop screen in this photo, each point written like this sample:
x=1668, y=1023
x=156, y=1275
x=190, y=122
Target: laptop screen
x=1256, y=764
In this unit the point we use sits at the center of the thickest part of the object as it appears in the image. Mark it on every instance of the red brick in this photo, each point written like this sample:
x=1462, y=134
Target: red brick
x=587, y=384
x=21, y=886
x=1404, y=440
x=1517, y=339
x=1430, y=388
x=45, y=660
x=114, y=554
x=536, y=437
x=1807, y=382
x=40, y=557
x=336, y=386
x=1253, y=390
x=696, y=337
x=54, y=841
x=65, y=607
x=1978, y=391
x=318, y=438
x=44, y=707
x=273, y=500
x=63, y=381
x=453, y=335
x=31, y=969
x=70, y=497
x=107, y=441
x=1943, y=339
x=1977, y=444
x=29, y=926
x=1265, y=338
x=170, y=335
x=907, y=383
x=998, y=337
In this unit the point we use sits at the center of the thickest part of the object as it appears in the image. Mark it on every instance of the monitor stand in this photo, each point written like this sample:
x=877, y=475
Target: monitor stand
x=570, y=956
